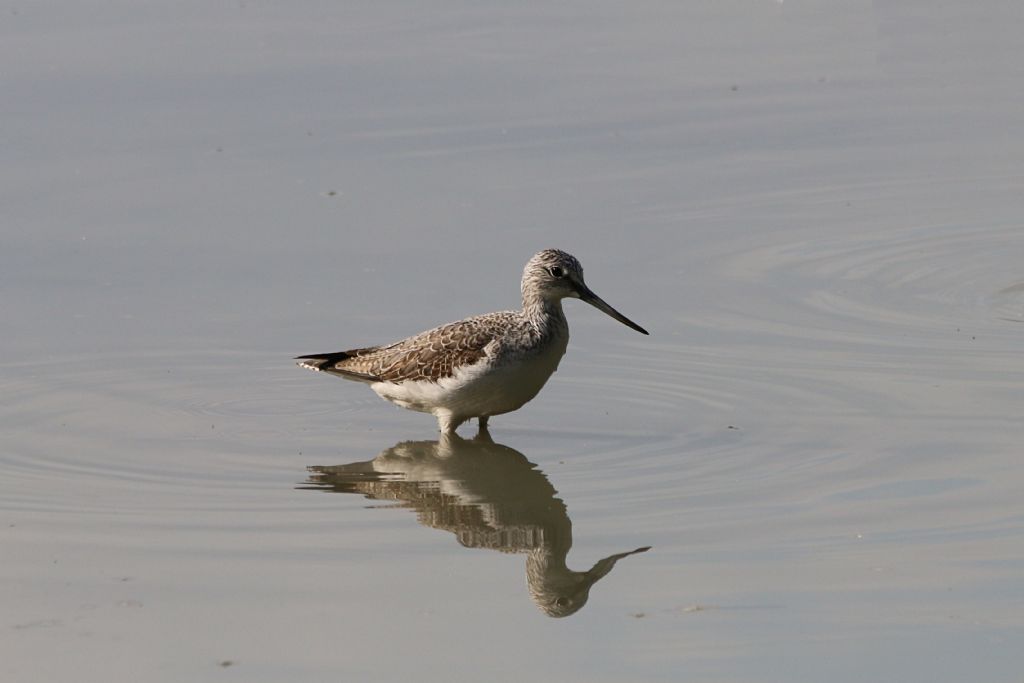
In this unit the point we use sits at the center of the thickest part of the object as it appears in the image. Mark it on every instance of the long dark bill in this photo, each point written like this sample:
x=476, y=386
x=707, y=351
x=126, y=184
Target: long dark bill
x=600, y=304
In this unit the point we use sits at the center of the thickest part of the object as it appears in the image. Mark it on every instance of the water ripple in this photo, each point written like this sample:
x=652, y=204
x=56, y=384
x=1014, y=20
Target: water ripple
x=87, y=435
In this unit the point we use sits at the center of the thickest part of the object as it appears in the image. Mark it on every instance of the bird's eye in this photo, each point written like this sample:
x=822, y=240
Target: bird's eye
x=556, y=271
x=562, y=602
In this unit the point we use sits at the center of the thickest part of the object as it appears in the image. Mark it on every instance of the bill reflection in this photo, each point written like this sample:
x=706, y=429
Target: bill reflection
x=489, y=496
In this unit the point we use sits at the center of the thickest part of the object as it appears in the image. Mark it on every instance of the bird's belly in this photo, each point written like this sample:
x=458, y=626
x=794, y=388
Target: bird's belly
x=500, y=389
x=480, y=389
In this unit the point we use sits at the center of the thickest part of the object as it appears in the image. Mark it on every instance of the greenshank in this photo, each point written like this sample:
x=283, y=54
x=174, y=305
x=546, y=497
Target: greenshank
x=481, y=366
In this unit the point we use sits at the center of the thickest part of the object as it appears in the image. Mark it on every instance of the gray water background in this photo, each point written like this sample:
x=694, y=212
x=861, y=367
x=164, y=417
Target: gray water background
x=815, y=208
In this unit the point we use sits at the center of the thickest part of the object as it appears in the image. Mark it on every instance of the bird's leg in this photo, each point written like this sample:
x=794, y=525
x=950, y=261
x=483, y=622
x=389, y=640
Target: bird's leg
x=483, y=434
x=447, y=422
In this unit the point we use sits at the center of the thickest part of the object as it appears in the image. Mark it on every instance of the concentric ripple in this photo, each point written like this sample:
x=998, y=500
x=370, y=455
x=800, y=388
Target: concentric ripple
x=913, y=281
x=1008, y=303
x=87, y=435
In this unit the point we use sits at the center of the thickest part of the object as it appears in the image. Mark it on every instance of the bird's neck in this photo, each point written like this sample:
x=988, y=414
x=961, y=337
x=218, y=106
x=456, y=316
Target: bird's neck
x=545, y=314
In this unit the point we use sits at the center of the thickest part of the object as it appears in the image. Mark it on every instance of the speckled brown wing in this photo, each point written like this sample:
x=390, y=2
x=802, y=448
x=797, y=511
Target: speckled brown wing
x=431, y=355
x=437, y=353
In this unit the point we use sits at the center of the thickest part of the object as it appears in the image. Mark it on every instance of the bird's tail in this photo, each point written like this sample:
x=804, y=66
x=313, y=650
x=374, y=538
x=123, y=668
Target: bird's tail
x=333, y=363
x=324, y=362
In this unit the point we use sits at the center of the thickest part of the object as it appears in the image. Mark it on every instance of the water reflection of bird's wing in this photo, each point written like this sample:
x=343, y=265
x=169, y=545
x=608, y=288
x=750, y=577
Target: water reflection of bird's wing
x=487, y=494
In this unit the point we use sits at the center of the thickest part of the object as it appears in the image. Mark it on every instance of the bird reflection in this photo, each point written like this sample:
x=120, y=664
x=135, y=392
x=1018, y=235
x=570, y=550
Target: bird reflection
x=489, y=496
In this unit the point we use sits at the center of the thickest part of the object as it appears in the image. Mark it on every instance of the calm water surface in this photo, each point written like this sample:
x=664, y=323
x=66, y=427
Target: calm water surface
x=816, y=211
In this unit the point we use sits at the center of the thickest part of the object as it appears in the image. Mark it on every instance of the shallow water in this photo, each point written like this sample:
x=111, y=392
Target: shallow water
x=815, y=210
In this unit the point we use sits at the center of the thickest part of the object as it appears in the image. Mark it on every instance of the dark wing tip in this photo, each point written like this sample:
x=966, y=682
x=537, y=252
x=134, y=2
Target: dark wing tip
x=322, y=361
x=327, y=362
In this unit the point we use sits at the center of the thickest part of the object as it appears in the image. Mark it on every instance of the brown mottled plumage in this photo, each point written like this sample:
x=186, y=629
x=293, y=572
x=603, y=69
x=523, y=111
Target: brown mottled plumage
x=486, y=365
x=430, y=355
